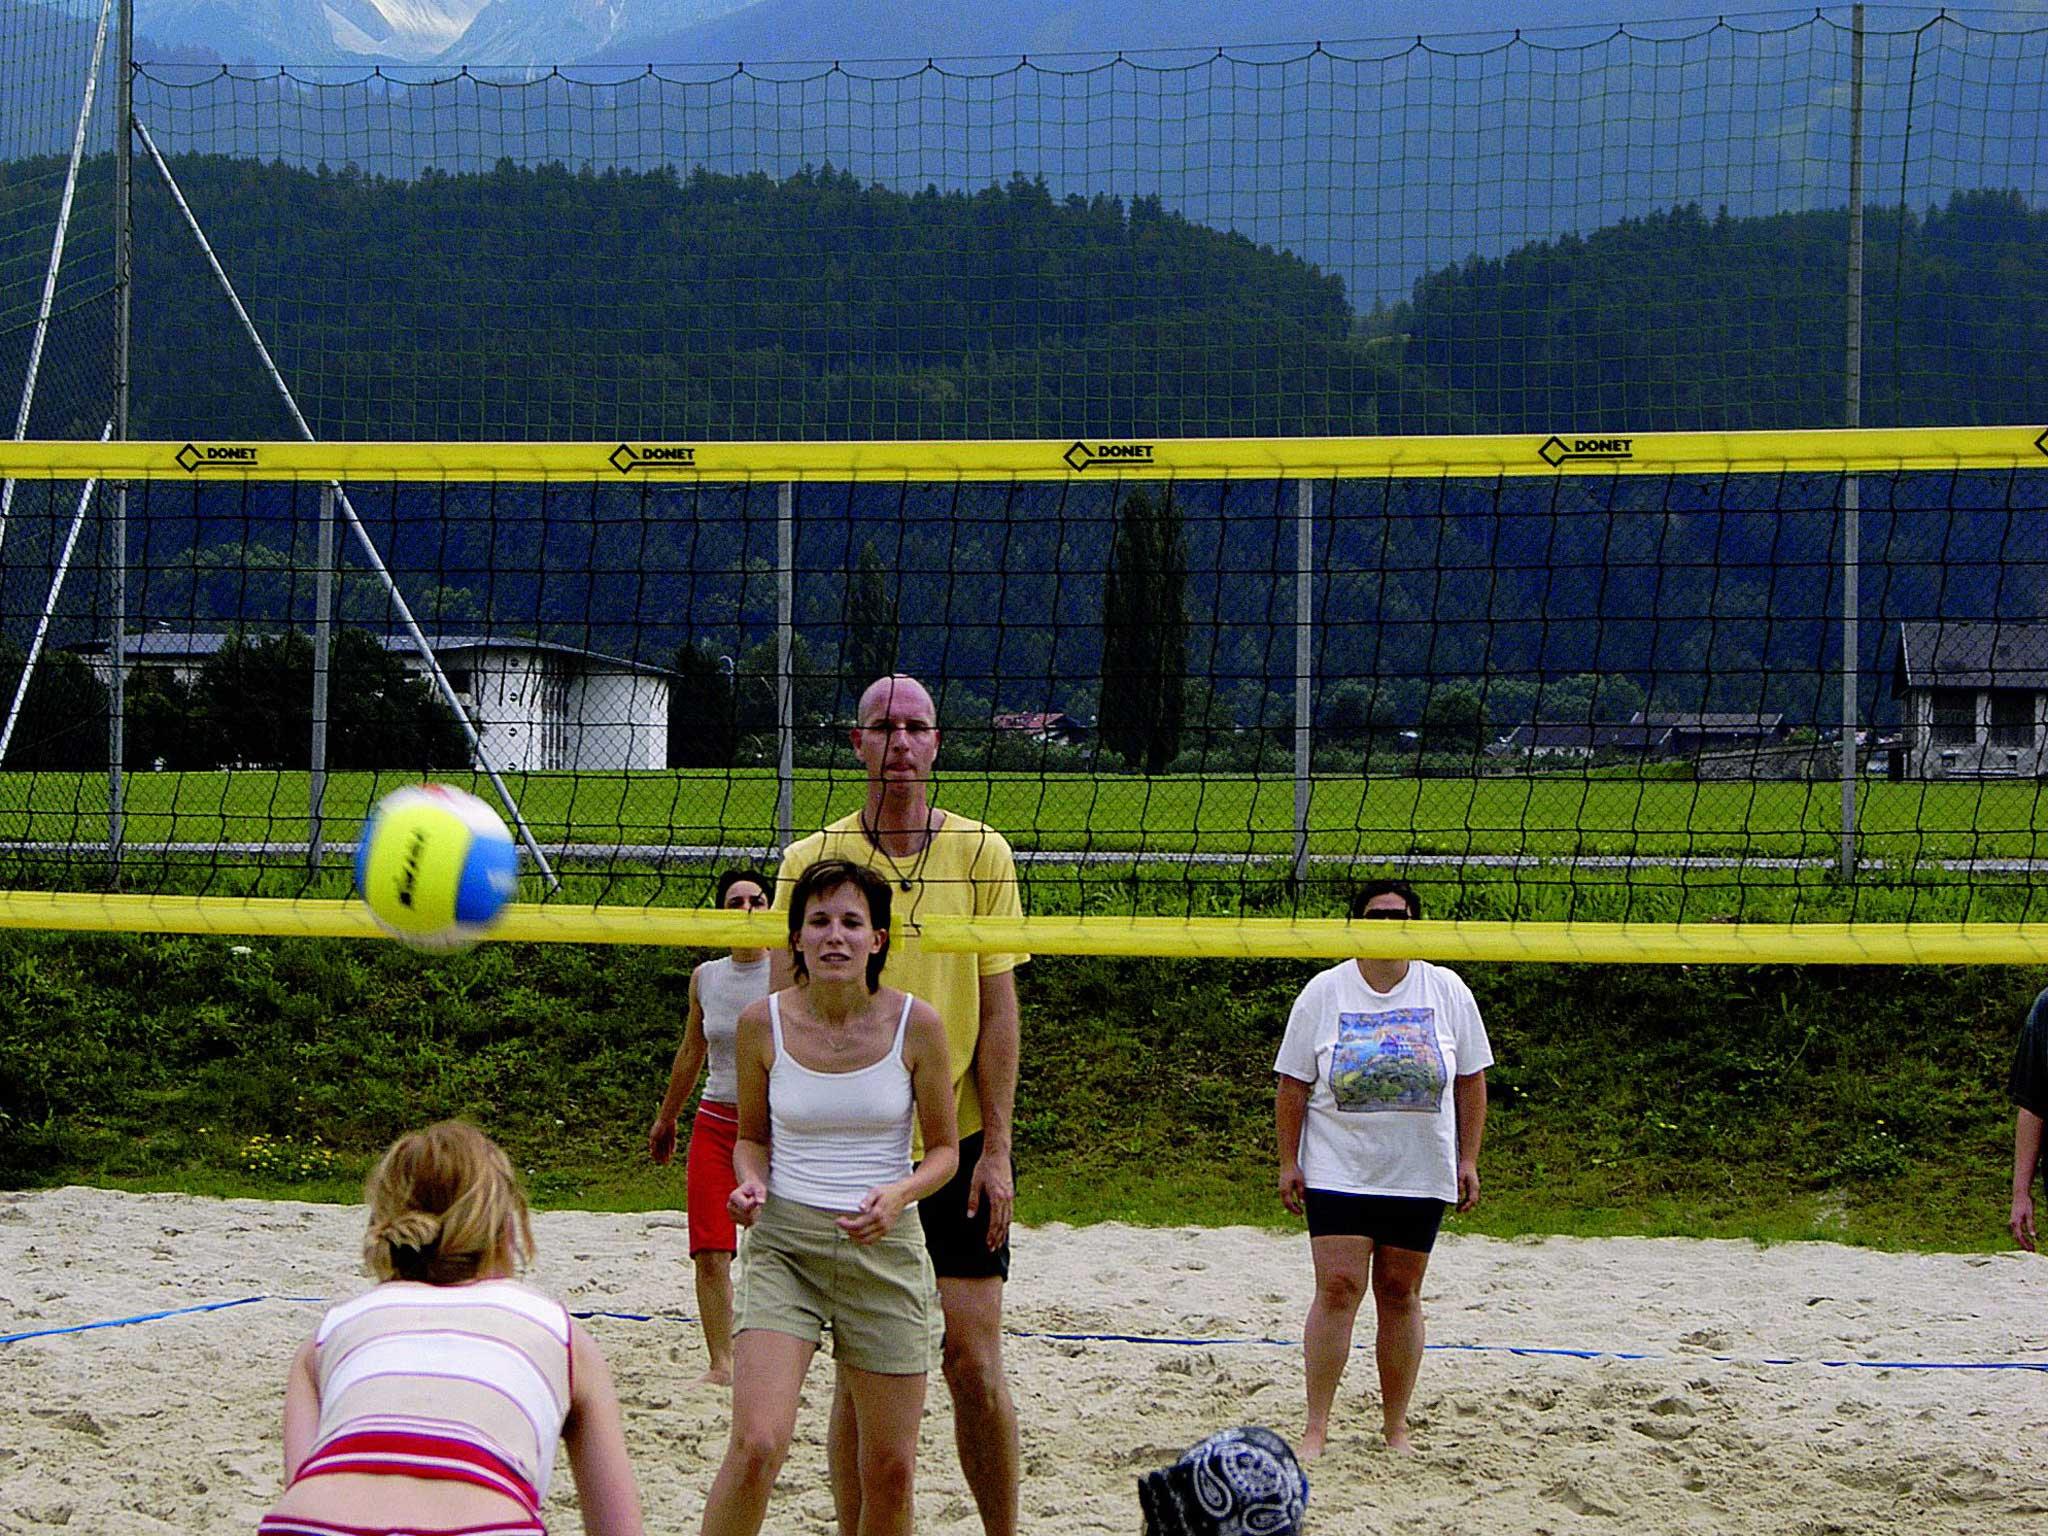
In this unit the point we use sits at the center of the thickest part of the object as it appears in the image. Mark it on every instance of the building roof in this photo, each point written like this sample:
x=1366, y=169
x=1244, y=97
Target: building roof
x=1971, y=653
x=1581, y=736
x=175, y=645
x=1712, y=720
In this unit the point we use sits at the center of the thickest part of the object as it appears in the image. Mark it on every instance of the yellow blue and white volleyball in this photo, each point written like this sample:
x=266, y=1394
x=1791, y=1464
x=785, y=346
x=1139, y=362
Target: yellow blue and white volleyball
x=436, y=866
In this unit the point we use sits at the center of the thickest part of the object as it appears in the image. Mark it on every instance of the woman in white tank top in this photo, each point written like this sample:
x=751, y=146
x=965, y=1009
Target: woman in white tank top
x=831, y=1073
x=719, y=990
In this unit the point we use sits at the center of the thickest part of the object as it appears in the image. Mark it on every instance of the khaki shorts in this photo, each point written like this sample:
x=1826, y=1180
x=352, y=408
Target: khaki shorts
x=799, y=1274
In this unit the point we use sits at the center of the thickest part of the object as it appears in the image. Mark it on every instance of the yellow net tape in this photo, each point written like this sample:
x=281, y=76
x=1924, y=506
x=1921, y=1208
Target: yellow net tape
x=1177, y=938
x=1569, y=453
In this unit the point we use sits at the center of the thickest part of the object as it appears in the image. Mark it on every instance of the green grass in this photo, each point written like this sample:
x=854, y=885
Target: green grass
x=1864, y=1106
x=1545, y=817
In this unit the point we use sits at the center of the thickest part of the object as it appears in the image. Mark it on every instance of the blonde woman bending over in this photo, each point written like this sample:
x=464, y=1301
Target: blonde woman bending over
x=432, y=1403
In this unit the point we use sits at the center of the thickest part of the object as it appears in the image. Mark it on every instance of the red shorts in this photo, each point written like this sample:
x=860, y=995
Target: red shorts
x=711, y=1179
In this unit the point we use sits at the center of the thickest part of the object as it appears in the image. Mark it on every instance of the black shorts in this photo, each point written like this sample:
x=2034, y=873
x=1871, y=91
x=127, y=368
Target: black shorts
x=1397, y=1221
x=959, y=1246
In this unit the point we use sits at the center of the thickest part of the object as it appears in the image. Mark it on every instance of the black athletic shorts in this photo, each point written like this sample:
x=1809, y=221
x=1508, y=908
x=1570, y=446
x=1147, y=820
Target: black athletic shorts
x=959, y=1247
x=1398, y=1221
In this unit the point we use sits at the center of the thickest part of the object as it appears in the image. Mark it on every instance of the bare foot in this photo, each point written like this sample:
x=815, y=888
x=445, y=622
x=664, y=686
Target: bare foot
x=717, y=1376
x=1311, y=1447
x=1398, y=1441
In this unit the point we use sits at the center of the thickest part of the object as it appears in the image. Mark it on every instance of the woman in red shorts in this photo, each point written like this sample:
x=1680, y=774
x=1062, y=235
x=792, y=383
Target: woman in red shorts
x=719, y=989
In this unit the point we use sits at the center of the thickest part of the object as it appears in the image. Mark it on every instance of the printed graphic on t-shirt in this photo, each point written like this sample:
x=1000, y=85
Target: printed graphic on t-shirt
x=1389, y=1061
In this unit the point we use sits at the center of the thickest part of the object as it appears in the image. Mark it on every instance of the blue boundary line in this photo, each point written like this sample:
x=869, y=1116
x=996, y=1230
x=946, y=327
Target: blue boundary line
x=1537, y=1351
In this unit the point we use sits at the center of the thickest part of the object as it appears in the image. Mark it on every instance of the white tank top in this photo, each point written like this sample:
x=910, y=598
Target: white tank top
x=724, y=987
x=836, y=1135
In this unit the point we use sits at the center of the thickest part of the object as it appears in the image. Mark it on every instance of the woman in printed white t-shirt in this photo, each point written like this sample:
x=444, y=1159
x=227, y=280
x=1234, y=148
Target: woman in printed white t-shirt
x=1380, y=1107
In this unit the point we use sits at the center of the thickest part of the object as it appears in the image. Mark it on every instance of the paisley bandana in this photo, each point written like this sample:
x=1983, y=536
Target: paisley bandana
x=1241, y=1482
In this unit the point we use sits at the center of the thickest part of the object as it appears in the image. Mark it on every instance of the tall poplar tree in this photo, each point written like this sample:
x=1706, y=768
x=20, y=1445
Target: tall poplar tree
x=1145, y=632
x=872, y=629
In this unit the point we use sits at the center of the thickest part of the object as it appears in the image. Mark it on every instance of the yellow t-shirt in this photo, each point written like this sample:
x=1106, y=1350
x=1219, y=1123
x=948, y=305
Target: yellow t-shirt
x=966, y=871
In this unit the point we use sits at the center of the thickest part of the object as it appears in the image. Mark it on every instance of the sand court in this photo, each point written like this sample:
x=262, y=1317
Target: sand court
x=1532, y=1416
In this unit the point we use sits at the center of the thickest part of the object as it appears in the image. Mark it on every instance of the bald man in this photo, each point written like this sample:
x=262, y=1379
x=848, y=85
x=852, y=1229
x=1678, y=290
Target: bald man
x=940, y=862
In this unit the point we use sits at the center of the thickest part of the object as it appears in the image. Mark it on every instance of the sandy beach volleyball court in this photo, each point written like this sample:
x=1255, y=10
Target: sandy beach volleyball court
x=172, y=1426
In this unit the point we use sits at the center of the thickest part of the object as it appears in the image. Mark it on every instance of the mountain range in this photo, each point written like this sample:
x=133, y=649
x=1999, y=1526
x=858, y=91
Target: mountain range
x=541, y=33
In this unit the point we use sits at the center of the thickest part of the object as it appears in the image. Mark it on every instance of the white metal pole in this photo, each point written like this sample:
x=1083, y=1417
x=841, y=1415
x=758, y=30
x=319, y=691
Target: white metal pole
x=1304, y=664
x=355, y=523
x=117, y=595
x=785, y=660
x=49, y=299
x=35, y=649
x=1852, y=485
x=323, y=653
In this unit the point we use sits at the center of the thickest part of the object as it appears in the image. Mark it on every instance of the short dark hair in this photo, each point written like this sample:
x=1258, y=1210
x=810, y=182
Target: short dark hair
x=1363, y=897
x=822, y=879
x=733, y=877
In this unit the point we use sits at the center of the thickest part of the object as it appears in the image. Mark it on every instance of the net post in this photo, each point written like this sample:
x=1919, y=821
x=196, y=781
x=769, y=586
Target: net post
x=323, y=653
x=1852, y=486
x=785, y=647
x=39, y=333
x=362, y=534
x=124, y=277
x=1304, y=660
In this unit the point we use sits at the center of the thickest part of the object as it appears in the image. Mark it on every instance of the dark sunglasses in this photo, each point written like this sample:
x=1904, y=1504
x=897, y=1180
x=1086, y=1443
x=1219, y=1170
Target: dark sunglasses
x=1399, y=917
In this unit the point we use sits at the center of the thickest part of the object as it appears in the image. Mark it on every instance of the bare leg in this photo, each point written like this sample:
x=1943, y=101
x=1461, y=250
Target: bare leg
x=984, y=1417
x=1397, y=1295
x=768, y=1381
x=887, y=1409
x=842, y=1456
x=1342, y=1266
x=714, y=1306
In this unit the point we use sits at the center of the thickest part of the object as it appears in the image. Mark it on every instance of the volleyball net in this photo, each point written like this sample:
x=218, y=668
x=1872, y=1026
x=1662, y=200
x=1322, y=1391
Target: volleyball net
x=1589, y=687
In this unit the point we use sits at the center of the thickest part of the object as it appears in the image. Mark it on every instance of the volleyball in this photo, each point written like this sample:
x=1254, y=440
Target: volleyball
x=435, y=865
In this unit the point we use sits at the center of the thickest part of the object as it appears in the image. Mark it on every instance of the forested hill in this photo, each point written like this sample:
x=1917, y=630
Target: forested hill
x=550, y=303
x=1685, y=321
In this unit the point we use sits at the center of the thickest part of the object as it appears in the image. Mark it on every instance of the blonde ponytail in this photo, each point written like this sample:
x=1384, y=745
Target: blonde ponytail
x=445, y=1206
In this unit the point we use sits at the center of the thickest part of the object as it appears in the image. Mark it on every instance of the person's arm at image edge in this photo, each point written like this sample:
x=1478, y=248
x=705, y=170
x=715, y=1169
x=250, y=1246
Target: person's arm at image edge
x=1290, y=1113
x=596, y=1440
x=1468, y=1096
x=997, y=1052
x=2026, y=1161
x=301, y=1411
x=682, y=1080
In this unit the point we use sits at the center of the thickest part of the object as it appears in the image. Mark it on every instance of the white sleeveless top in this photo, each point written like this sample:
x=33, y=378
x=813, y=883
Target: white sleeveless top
x=724, y=987
x=411, y=1373
x=836, y=1135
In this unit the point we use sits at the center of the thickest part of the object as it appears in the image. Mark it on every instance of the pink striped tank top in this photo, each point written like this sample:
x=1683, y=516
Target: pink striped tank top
x=468, y=1382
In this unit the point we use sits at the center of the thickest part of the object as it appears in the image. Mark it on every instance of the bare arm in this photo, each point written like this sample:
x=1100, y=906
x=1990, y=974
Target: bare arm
x=301, y=1411
x=931, y=1085
x=754, y=1052
x=1290, y=1111
x=682, y=1081
x=596, y=1439
x=1468, y=1097
x=2026, y=1161
x=997, y=1051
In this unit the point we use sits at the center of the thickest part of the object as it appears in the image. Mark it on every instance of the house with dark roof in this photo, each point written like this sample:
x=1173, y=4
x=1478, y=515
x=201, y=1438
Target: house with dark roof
x=1697, y=731
x=536, y=706
x=1583, y=739
x=1975, y=697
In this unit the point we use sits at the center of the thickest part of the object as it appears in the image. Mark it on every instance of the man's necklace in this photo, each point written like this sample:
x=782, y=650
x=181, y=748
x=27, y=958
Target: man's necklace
x=905, y=882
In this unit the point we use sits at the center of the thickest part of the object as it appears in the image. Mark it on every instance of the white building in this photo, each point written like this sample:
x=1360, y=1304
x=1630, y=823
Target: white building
x=536, y=706
x=1975, y=695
